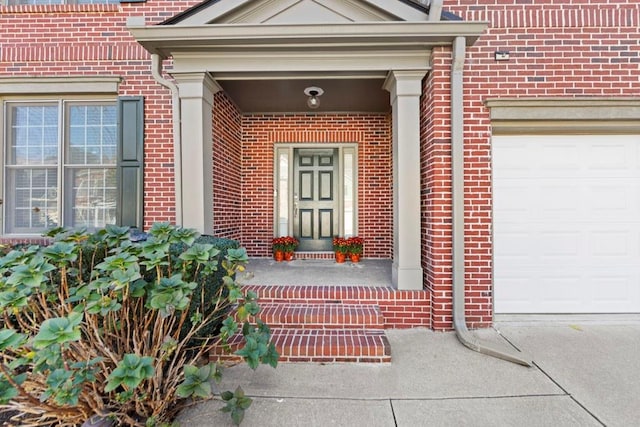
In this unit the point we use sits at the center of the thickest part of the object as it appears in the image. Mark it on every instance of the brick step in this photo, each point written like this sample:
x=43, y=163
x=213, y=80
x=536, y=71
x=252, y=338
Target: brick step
x=400, y=308
x=321, y=316
x=322, y=345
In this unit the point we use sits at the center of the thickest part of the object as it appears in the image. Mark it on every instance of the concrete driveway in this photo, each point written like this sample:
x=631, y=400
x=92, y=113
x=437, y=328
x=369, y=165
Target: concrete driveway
x=596, y=364
x=584, y=375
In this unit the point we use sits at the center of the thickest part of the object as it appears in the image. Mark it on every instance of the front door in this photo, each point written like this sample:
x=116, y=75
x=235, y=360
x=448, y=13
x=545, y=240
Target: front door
x=315, y=198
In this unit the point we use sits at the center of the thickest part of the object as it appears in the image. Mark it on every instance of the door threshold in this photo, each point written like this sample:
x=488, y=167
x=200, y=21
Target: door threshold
x=329, y=255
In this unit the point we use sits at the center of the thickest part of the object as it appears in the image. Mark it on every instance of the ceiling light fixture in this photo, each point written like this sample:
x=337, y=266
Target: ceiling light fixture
x=313, y=92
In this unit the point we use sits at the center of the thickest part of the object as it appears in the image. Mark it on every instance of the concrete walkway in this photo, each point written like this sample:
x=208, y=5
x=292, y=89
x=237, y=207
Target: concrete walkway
x=585, y=374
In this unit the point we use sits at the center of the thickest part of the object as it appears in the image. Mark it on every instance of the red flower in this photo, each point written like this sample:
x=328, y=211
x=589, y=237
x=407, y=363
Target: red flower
x=340, y=244
x=284, y=243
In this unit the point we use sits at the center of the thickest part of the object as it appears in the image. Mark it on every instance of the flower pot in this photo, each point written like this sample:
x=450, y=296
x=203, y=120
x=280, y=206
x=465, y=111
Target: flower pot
x=278, y=256
x=355, y=257
x=340, y=257
x=288, y=256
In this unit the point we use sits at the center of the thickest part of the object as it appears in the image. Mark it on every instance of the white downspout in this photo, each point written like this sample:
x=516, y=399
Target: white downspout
x=156, y=71
x=457, y=166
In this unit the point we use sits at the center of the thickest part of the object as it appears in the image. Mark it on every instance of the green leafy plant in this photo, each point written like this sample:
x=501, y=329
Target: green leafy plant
x=97, y=326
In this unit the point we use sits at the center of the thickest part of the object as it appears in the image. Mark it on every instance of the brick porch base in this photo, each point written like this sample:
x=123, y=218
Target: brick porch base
x=336, y=323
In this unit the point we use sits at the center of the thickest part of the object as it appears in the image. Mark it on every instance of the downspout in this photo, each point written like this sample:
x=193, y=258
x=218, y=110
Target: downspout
x=457, y=166
x=156, y=71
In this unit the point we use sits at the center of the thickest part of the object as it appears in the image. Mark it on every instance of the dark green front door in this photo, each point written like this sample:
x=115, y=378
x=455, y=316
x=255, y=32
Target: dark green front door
x=315, y=198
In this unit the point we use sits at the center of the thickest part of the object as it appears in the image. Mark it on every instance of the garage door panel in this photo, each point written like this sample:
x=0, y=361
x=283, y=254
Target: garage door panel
x=515, y=204
x=559, y=201
x=554, y=155
x=566, y=224
x=613, y=291
x=609, y=156
x=611, y=201
x=612, y=246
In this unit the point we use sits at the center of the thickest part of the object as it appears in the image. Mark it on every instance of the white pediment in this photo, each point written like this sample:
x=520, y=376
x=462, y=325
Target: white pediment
x=302, y=12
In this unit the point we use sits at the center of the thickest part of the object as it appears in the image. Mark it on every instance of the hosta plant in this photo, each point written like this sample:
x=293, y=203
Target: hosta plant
x=99, y=327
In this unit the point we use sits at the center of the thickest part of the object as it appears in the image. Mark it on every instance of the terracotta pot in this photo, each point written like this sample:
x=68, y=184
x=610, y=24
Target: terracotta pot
x=278, y=256
x=288, y=256
x=355, y=257
x=340, y=257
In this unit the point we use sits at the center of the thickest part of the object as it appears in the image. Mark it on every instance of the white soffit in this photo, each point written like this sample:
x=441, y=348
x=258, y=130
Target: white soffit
x=302, y=12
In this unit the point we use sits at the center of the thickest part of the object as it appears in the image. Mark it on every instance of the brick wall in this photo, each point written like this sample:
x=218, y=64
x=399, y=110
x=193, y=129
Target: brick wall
x=227, y=173
x=90, y=40
x=372, y=132
x=435, y=136
x=558, y=48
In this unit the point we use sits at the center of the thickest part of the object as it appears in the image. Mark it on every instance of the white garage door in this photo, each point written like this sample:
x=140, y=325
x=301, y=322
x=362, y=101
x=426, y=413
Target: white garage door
x=566, y=224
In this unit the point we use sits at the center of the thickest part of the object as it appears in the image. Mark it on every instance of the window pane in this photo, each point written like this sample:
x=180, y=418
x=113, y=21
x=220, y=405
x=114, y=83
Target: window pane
x=92, y=130
x=33, y=135
x=32, y=202
x=92, y=197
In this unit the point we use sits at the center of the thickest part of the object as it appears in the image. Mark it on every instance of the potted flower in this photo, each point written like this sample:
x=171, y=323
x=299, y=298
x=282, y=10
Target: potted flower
x=340, y=247
x=355, y=245
x=283, y=247
x=290, y=244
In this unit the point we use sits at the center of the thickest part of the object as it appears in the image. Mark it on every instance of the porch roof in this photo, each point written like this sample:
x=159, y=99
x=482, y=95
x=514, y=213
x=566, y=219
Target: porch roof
x=170, y=40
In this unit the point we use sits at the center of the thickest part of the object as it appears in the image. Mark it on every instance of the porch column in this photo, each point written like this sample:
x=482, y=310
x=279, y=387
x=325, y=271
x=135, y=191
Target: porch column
x=405, y=88
x=196, y=92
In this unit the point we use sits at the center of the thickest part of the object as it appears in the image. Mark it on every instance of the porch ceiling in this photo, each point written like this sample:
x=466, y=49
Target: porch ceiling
x=287, y=95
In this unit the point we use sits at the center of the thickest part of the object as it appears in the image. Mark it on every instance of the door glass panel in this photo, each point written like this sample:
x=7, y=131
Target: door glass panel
x=349, y=196
x=283, y=192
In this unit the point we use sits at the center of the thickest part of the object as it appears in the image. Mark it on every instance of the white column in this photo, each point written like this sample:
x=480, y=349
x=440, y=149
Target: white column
x=405, y=88
x=196, y=92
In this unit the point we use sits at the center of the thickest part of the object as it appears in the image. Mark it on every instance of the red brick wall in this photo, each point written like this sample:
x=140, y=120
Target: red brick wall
x=90, y=40
x=227, y=173
x=372, y=132
x=558, y=48
x=436, y=200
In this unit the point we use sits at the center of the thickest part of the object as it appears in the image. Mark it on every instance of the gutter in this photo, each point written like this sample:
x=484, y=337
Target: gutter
x=457, y=160
x=156, y=71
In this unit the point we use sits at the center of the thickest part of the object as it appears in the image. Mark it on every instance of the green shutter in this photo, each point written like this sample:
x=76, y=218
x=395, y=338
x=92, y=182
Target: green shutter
x=130, y=159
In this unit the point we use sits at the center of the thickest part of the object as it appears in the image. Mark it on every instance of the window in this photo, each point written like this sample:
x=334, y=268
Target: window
x=19, y=2
x=68, y=142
